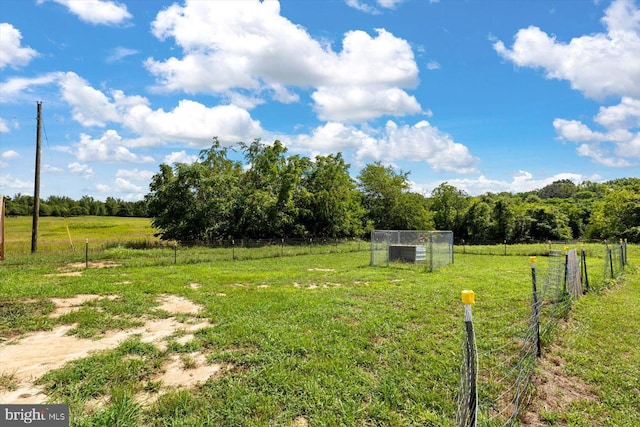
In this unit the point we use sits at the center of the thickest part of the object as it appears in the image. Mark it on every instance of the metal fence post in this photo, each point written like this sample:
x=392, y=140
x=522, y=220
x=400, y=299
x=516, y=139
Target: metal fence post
x=431, y=251
x=611, y=262
x=566, y=272
x=451, y=247
x=536, y=308
x=584, y=268
x=469, y=405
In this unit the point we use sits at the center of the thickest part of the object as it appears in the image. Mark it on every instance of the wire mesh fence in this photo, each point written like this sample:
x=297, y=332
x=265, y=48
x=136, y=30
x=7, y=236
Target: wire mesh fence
x=509, y=344
x=428, y=249
x=615, y=259
x=144, y=252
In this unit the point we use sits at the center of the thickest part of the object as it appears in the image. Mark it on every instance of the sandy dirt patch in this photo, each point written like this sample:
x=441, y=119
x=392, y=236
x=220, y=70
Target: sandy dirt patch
x=178, y=305
x=67, y=305
x=321, y=269
x=92, y=264
x=555, y=391
x=178, y=375
x=66, y=274
x=299, y=422
x=326, y=285
x=75, y=269
x=28, y=357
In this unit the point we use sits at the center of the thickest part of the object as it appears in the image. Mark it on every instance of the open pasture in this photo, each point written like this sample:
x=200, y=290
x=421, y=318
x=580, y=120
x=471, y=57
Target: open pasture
x=315, y=339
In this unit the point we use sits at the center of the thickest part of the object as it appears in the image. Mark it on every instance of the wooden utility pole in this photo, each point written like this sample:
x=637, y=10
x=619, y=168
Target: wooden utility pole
x=1, y=227
x=36, y=191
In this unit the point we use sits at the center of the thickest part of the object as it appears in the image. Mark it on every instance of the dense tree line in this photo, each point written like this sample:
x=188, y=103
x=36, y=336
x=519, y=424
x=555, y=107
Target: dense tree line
x=292, y=196
x=21, y=204
x=278, y=195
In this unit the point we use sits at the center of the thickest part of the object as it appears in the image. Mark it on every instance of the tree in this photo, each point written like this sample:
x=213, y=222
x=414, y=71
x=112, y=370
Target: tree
x=561, y=189
x=449, y=206
x=381, y=188
x=503, y=218
x=265, y=206
x=387, y=202
x=478, y=221
x=329, y=204
x=548, y=223
x=617, y=216
x=194, y=203
x=414, y=212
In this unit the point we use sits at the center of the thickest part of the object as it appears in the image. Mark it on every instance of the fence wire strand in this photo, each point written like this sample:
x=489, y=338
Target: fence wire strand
x=509, y=341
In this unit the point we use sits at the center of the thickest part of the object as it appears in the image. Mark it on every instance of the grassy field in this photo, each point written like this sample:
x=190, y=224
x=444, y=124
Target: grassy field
x=56, y=234
x=318, y=339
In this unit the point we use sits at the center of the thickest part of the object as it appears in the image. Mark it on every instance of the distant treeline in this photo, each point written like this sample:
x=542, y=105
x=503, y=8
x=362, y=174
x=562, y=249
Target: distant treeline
x=22, y=204
x=278, y=196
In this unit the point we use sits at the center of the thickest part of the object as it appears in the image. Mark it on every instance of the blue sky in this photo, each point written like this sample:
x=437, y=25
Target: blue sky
x=486, y=95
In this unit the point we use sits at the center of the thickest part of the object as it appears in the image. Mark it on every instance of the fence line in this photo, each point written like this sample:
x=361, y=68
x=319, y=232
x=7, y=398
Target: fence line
x=158, y=253
x=500, y=390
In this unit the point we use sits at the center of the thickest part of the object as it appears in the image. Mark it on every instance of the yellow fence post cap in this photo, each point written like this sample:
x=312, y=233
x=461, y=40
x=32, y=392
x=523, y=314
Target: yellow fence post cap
x=532, y=259
x=468, y=297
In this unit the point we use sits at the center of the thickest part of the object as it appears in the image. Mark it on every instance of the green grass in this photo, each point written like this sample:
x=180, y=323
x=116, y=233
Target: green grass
x=329, y=338
x=54, y=238
x=600, y=346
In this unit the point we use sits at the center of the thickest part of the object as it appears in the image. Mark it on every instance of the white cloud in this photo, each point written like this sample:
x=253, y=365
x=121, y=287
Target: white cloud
x=625, y=114
x=618, y=145
x=15, y=89
x=360, y=104
x=12, y=183
x=522, y=181
x=194, y=123
x=108, y=148
x=372, y=6
x=96, y=11
x=12, y=53
x=180, y=157
x=433, y=65
x=189, y=122
x=104, y=188
x=243, y=45
x=598, y=65
x=80, y=169
x=4, y=128
x=90, y=106
x=9, y=154
x=119, y=53
x=362, y=6
x=51, y=169
x=134, y=174
x=419, y=143
x=122, y=185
